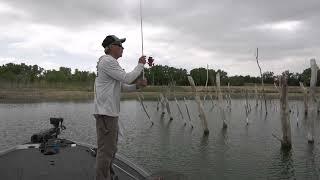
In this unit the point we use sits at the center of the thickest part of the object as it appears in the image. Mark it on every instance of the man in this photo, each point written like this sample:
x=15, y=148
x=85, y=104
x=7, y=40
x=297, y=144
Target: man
x=110, y=80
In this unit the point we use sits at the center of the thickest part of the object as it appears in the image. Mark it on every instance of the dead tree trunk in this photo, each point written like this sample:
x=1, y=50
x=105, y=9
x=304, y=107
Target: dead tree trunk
x=144, y=109
x=305, y=98
x=168, y=108
x=246, y=106
x=163, y=103
x=256, y=94
x=185, y=103
x=229, y=97
x=185, y=123
x=202, y=115
x=206, y=87
x=263, y=93
x=220, y=101
x=312, y=101
x=284, y=111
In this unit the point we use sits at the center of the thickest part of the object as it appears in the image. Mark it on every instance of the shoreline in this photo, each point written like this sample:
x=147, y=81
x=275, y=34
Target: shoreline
x=149, y=93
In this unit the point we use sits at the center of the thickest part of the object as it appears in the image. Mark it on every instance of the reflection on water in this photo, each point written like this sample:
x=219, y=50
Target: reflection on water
x=282, y=165
x=287, y=163
x=239, y=152
x=204, y=142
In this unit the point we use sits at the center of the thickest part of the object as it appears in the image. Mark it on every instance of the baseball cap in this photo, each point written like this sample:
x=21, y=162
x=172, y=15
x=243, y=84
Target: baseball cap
x=110, y=39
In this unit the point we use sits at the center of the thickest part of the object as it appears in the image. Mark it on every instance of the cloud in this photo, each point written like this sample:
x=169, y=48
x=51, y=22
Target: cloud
x=184, y=34
x=287, y=26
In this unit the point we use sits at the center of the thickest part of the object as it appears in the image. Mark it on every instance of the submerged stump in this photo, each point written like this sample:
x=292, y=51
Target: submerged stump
x=284, y=111
x=220, y=102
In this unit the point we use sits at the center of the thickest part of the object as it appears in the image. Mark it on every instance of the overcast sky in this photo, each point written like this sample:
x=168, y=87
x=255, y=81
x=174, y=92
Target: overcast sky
x=183, y=33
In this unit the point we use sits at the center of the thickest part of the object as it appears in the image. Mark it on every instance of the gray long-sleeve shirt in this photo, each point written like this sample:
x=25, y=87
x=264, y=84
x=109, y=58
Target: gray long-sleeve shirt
x=110, y=80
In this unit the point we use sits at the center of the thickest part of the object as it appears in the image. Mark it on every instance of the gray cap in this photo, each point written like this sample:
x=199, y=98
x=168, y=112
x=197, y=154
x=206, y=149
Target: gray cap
x=111, y=39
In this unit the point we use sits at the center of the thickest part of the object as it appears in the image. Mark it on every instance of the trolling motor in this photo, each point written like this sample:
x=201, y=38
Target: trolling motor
x=51, y=133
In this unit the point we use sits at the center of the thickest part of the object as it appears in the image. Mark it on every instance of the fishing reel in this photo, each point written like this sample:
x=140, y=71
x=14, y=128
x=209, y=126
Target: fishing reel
x=150, y=61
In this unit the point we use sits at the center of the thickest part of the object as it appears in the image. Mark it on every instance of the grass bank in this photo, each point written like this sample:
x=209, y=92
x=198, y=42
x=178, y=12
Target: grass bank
x=150, y=92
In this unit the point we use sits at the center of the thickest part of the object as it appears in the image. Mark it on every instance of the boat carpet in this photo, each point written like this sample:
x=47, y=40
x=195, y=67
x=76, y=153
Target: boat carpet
x=71, y=163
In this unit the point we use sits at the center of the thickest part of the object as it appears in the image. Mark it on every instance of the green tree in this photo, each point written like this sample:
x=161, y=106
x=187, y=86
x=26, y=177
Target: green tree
x=268, y=77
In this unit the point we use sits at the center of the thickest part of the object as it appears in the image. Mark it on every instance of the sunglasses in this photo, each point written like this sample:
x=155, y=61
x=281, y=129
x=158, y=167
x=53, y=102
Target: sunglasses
x=119, y=45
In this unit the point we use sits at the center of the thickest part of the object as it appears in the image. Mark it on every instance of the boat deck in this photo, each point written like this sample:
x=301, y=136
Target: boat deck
x=74, y=161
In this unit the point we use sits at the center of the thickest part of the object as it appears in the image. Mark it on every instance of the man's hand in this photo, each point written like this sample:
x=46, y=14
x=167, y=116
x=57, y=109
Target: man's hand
x=142, y=60
x=141, y=83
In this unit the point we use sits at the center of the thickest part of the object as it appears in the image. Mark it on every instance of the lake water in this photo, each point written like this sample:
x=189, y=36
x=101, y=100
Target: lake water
x=240, y=152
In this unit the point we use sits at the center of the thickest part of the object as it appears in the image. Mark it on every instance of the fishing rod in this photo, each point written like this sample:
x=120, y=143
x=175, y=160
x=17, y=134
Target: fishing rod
x=141, y=31
x=150, y=62
x=150, y=59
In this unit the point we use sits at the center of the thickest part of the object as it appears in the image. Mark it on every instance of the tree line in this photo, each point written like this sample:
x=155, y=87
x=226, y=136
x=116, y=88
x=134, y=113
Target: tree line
x=22, y=75
x=162, y=75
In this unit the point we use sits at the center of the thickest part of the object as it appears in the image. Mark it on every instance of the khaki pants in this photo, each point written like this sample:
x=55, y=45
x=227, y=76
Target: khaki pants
x=107, y=139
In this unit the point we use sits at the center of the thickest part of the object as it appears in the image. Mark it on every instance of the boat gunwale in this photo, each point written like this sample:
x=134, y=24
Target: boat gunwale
x=8, y=150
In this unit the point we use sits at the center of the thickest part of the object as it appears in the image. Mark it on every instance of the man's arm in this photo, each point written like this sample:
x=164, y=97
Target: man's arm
x=132, y=87
x=113, y=69
x=128, y=87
